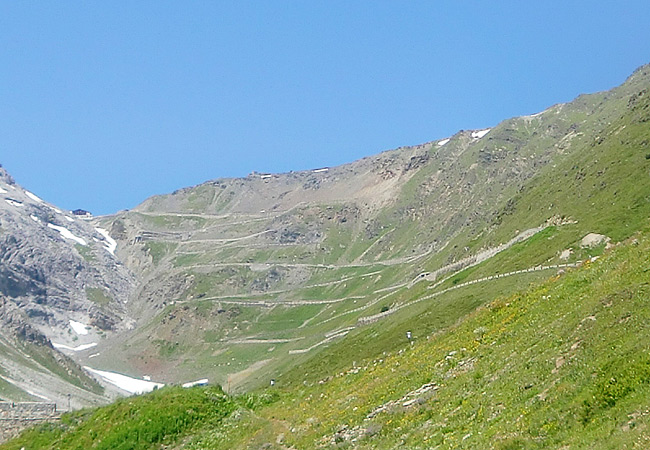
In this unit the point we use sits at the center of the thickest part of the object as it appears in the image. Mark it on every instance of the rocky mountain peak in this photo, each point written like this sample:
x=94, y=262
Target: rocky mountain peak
x=5, y=177
x=56, y=266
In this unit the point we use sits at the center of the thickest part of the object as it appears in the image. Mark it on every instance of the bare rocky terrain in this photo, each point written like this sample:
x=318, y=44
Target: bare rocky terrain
x=56, y=270
x=52, y=261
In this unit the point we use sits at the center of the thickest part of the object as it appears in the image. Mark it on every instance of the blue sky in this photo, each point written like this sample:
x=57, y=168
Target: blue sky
x=103, y=104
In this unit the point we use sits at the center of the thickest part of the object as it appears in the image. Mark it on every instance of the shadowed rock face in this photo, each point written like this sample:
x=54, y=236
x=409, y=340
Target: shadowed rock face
x=21, y=282
x=14, y=324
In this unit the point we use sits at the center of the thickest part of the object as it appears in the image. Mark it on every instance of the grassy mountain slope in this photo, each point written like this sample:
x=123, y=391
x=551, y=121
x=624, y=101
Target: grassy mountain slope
x=244, y=280
x=145, y=422
x=602, y=186
x=525, y=335
x=562, y=364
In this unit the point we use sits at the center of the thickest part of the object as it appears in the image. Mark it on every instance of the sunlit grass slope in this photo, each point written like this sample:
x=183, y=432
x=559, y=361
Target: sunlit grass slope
x=158, y=420
x=562, y=364
x=565, y=364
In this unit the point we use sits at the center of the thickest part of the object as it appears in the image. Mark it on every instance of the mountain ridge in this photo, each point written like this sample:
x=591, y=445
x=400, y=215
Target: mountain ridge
x=246, y=279
x=289, y=239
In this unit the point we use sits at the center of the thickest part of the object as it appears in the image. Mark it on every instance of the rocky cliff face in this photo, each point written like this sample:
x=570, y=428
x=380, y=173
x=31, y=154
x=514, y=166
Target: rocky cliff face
x=60, y=285
x=58, y=267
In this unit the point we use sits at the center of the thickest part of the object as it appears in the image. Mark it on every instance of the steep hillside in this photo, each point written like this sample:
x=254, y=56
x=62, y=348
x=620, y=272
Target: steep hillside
x=244, y=280
x=561, y=364
x=297, y=276
x=60, y=286
x=31, y=369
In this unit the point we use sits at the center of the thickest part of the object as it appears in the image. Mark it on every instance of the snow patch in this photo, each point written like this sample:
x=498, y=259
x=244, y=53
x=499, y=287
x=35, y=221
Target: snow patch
x=129, y=384
x=67, y=234
x=79, y=328
x=2, y=191
x=110, y=244
x=69, y=219
x=443, y=142
x=480, y=133
x=35, y=219
x=13, y=202
x=79, y=348
x=201, y=382
x=33, y=197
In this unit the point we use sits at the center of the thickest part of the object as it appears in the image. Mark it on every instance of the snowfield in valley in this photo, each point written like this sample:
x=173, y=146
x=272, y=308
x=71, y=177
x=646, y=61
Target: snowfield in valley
x=126, y=383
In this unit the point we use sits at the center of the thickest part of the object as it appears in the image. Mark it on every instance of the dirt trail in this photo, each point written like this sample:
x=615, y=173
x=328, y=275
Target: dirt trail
x=234, y=379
